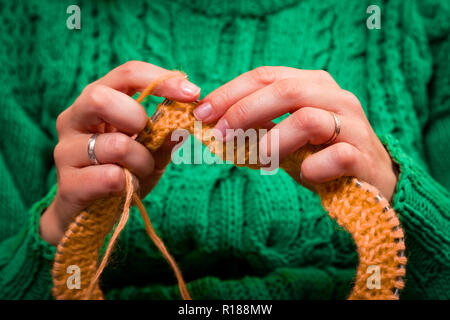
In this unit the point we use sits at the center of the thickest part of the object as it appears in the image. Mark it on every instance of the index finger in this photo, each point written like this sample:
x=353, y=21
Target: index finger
x=135, y=76
x=215, y=104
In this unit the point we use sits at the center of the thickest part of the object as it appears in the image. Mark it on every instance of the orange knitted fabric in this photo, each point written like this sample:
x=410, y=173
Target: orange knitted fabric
x=357, y=206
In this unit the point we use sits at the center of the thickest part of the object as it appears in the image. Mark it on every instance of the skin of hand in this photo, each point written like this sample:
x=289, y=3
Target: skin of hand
x=257, y=97
x=106, y=107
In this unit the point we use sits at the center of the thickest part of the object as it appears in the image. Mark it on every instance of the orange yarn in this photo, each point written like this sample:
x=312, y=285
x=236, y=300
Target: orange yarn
x=122, y=222
x=357, y=206
x=76, y=241
x=160, y=245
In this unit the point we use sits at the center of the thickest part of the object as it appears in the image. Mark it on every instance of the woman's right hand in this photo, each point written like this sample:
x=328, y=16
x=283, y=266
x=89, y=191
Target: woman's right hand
x=106, y=107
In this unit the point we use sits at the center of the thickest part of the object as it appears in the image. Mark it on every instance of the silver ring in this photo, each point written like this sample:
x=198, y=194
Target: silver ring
x=337, y=128
x=91, y=149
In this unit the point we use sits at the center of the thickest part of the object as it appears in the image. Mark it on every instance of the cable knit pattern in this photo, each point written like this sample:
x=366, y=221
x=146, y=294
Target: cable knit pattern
x=234, y=233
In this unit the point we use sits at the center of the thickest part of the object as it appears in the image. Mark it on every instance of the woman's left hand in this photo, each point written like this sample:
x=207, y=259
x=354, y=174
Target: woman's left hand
x=265, y=93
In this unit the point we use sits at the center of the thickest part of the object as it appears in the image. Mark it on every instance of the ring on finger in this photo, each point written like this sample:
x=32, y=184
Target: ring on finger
x=91, y=149
x=337, y=128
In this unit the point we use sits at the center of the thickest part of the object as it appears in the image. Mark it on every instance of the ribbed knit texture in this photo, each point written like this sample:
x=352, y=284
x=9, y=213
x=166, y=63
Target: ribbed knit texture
x=235, y=234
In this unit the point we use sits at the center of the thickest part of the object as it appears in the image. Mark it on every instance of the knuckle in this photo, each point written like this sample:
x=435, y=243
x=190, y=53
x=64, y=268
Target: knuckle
x=324, y=76
x=288, y=88
x=221, y=100
x=264, y=75
x=129, y=67
x=117, y=145
x=240, y=112
x=86, y=90
x=114, y=179
x=58, y=152
x=351, y=100
x=364, y=134
x=306, y=119
x=99, y=97
x=345, y=155
x=59, y=122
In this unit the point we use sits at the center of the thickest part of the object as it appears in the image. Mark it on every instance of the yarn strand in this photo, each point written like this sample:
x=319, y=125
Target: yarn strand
x=131, y=195
x=162, y=248
x=120, y=225
x=151, y=87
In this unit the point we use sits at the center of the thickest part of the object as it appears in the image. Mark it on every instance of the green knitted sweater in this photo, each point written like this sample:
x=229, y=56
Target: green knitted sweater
x=236, y=234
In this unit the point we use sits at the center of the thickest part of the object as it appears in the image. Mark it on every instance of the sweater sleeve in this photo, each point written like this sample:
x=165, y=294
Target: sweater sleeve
x=423, y=207
x=437, y=130
x=422, y=198
x=26, y=259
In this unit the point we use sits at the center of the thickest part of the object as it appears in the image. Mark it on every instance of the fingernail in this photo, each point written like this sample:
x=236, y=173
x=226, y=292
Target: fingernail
x=203, y=111
x=222, y=127
x=189, y=88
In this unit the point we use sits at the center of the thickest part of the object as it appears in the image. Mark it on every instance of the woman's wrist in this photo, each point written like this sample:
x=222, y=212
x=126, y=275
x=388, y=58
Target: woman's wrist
x=49, y=226
x=391, y=178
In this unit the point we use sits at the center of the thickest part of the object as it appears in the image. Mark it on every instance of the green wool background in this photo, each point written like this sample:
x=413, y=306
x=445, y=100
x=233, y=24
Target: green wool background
x=236, y=234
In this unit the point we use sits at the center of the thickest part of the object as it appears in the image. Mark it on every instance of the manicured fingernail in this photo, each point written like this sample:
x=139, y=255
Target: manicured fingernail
x=203, y=111
x=189, y=88
x=222, y=127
